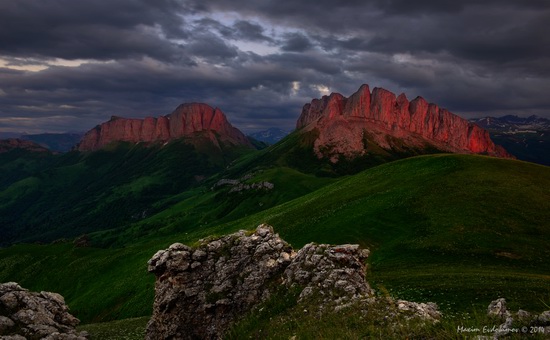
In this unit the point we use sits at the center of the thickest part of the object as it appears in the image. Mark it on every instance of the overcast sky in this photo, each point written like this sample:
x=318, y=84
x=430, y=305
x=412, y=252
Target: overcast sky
x=67, y=65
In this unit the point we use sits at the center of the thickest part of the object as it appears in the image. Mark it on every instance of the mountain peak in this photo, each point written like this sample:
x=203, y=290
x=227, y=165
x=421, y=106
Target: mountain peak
x=16, y=143
x=186, y=120
x=392, y=123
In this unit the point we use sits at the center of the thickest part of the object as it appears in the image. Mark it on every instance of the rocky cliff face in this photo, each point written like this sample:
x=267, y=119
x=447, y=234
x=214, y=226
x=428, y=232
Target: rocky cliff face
x=29, y=315
x=390, y=121
x=185, y=121
x=200, y=292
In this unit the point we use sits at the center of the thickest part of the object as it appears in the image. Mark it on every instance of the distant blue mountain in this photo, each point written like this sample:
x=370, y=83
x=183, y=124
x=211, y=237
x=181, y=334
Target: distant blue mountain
x=60, y=142
x=6, y=135
x=270, y=136
x=527, y=138
x=513, y=124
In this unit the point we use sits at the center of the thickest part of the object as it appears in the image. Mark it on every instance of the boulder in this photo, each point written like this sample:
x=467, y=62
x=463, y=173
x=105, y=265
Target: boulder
x=200, y=292
x=335, y=273
x=31, y=315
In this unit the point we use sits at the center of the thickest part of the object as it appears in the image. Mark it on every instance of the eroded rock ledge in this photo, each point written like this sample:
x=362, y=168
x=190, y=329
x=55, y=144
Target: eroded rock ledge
x=200, y=292
x=30, y=315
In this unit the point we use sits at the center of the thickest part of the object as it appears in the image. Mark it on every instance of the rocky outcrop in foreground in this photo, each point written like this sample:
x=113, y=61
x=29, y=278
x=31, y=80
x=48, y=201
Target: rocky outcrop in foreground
x=29, y=315
x=521, y=322
x=393, y=123
x=200, y=292
x=185, y=121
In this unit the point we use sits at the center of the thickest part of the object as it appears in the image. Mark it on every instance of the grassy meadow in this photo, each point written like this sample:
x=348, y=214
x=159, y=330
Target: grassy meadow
x=458, y=230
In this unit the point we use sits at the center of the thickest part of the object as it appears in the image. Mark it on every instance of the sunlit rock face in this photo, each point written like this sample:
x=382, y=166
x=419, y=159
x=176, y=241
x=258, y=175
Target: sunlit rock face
x=392, y=122
x=185, y=121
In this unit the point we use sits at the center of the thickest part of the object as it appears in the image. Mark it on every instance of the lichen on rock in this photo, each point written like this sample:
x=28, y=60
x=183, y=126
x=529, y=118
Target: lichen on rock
x=201, y=292
x=336, y=273
x=31, y=315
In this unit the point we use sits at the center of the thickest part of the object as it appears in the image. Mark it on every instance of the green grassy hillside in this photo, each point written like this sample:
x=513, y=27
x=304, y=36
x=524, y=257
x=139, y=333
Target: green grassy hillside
x=203, y=207
x=79, y=193
x=296, y=151
x=455, y=229
x=18, y=164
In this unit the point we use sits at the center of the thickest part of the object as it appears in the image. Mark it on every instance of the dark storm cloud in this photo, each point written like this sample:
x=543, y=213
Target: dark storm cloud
x=210, y=46
x=296, y=42
x=494, y=47
x=140, y=88
x=249, y=31
x=260, y=61
x=492, y=29
x=89, y=29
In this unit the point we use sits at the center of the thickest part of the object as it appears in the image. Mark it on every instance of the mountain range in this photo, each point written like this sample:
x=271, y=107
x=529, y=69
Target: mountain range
x=527, y=138
x=513, y=124
x=122, y=170
x=449, y=215
x=344, y=126
x=270, y=136
x=55, y=142
x=7, y=145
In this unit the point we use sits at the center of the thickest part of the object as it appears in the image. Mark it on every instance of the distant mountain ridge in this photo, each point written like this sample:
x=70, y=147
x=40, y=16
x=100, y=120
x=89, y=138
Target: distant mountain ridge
x=186, y=120
x=270, y=136
x=10, y=144
x=527, y=138
x=513, y=124
x=57, y=142
x=345, y=125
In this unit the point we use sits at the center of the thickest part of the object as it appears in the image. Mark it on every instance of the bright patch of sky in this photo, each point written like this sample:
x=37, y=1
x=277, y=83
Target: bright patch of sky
x=323, y=89
x=32, y=65
x=26, y=65
x=295, y=87
x=32, y=124
x=260, y=49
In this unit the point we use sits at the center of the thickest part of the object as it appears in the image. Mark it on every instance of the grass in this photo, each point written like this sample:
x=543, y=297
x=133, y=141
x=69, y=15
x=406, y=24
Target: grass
x=202, y=207
x=450, y=216
x=454, y=229
x=98, y=284
x=128, y=329
x=80, y=193
x=282, y=318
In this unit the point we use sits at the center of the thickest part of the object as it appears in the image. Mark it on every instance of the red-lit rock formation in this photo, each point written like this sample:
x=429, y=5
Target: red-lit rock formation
x=185, y=121
x=15, y=143
x=345, y=125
